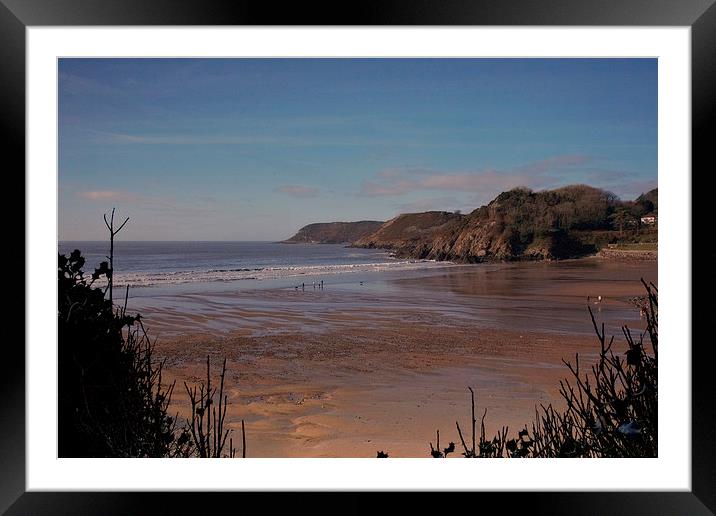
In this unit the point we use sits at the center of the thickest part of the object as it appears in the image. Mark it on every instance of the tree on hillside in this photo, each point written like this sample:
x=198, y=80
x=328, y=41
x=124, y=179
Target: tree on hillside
x=619, y=218
x=637, y=211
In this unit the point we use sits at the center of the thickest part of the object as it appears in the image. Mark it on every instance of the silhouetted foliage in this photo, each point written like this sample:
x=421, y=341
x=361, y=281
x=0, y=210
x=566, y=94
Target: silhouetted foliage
x=112, y=402
x=612, y=408
x=111, y=399
x=436, y=452
x=206, y=426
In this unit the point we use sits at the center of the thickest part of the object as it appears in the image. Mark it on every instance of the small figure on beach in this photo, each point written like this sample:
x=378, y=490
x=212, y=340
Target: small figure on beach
x=303, y=286
x=321, y=284
x=314, y=285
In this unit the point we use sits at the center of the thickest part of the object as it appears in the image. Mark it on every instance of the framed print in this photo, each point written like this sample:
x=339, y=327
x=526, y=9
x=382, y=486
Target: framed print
x=394, y=239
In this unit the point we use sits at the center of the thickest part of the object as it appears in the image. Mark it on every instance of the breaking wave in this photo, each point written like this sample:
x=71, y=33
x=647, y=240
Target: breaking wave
x=145, y=279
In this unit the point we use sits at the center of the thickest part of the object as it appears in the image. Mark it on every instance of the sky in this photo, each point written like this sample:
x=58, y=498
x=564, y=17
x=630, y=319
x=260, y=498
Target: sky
x=253, y=149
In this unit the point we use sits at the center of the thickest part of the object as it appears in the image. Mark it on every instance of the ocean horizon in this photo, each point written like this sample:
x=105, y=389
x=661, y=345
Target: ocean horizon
x=157, y=263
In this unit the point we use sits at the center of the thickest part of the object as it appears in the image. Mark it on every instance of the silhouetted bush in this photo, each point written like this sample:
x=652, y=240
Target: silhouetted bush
x=111, y=399
x=206, y=426
x=611, y=410
x=112, y=402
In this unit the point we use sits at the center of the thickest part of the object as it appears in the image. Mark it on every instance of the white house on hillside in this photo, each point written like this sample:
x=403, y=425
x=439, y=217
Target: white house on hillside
x=649, y=218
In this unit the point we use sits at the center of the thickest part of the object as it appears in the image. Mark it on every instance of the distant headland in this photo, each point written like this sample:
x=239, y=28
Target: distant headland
x=334, y=232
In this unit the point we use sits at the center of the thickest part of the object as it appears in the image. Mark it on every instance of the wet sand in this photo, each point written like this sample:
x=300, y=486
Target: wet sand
x=352, y=369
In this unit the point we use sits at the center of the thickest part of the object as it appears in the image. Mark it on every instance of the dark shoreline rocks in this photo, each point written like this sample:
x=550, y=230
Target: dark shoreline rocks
x=620, y=254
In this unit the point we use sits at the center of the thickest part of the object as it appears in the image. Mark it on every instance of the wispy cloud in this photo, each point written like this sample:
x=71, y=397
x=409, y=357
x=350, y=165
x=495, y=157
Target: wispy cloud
x=158, y=205
x=301, y=191
x=182, y=139
x=286, y=139
x=537, y=174
x=76, y=85
x=108, y=196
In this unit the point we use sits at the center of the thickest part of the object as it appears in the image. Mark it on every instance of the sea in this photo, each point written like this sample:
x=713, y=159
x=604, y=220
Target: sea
x=156, y=264
x=184, y=287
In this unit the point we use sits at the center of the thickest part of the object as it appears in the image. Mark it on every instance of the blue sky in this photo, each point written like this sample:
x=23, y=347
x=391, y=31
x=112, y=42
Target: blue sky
x=253, y=149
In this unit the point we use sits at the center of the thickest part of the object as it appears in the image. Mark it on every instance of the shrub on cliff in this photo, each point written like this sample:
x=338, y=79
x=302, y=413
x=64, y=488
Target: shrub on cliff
x=568, y=208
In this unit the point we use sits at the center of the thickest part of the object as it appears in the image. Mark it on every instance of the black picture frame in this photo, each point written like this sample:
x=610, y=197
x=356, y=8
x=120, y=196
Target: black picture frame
x=700, y=15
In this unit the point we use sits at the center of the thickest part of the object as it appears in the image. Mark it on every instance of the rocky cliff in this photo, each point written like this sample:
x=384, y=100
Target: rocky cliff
x=518, y=224
x=411, y=229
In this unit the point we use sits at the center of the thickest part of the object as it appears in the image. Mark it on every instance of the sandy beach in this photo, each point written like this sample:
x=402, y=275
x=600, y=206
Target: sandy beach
x=380, y=363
